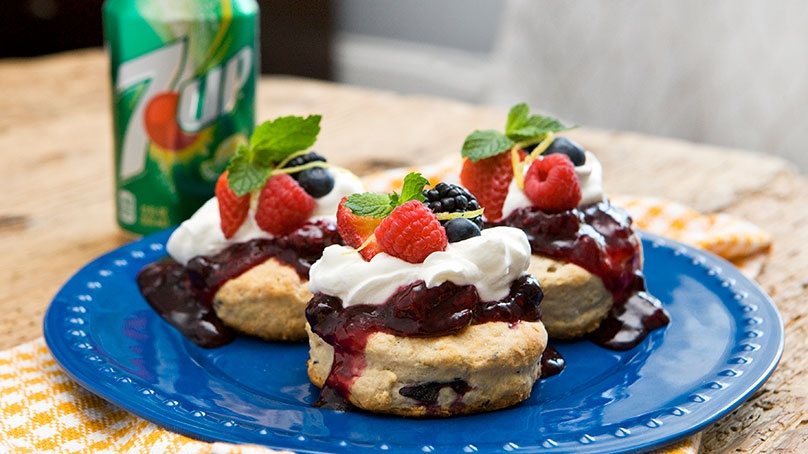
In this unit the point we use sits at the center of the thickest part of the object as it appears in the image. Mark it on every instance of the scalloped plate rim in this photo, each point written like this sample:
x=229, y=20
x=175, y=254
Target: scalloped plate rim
x=199, y=427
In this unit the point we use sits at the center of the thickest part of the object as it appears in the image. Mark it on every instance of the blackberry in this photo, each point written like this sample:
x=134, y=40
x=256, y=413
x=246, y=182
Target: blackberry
x=451, y=198
x=305, y=159
x=566, y=146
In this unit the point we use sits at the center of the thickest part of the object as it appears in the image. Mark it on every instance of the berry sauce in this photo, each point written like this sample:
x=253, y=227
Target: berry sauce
x=552, y=362
x=414, y=311
x=183, y=296
x=599, y=238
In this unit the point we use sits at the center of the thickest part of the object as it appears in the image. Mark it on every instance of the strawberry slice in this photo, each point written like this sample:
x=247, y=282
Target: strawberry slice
x=488, y=180
x=551, y=184
x=283, y=206
x=411, y=232
x=355, y=230
x=232, y=209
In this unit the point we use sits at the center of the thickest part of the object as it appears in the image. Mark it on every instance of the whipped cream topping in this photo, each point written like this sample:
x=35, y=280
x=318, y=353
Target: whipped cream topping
x=590, y=176
x=490, y=262
x=201, y=234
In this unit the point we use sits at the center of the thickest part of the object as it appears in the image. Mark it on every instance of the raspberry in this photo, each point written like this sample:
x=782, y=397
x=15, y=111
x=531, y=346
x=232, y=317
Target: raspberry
x=283, y=206
x=355, y=230
x=232, y=209
x=488, y=180
x=411, y=232
x=552, y=185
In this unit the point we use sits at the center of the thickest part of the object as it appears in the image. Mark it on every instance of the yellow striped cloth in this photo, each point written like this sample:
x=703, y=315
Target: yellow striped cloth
x=42, y=410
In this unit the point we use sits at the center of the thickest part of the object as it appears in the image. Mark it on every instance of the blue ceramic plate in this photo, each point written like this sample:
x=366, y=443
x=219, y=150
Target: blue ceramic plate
x=724, y=341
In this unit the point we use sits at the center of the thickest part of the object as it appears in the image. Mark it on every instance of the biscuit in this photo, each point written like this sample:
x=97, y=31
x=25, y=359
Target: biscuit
x=485, y=367
x=575, y=300
x=268, y=300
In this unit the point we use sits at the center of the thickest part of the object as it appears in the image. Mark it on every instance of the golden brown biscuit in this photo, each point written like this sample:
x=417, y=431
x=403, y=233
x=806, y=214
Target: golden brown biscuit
x=575, y=300
x=485, y=367
x=268, y=301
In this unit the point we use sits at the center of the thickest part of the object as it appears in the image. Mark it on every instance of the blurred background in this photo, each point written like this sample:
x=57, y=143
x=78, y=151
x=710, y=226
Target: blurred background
x=724, y=72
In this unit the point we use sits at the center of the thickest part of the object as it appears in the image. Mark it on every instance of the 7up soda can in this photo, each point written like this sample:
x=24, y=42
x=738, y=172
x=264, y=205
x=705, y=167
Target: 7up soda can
x=183, y=98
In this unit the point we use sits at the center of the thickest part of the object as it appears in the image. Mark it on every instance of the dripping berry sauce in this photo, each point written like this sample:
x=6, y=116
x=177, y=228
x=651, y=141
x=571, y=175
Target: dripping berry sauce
x=599, y=238
x=183, y=295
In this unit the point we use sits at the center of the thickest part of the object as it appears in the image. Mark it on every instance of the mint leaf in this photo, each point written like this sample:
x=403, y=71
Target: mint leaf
x=381, y=205
x=535, y=128
x=370, y=204
x=243, y=175
x=517, y=118
x=413, y=188
x=485, y=144
x=274, y=140
x=521, y=126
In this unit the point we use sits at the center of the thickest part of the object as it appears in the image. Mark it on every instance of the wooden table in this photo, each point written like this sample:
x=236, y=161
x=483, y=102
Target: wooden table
x=56, y=207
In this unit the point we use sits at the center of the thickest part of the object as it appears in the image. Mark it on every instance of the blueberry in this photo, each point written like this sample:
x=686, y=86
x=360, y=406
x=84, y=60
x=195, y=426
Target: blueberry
x=566, y=146
x=316, y=181
x=459, y=229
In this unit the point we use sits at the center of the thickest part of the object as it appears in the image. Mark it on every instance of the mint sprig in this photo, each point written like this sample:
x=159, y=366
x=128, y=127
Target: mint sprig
x=381, y=205
x=484, y=144
x=520, y=128
x=271, y=142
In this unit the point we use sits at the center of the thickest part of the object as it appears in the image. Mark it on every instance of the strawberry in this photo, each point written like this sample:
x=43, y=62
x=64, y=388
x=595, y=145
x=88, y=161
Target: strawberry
x=411, y=232
x=355, y=230
x=488, y=180
x=283, y=206
x=552, y=185
x=232, y=208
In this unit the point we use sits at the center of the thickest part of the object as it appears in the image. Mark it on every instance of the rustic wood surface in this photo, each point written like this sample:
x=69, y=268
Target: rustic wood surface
x=56, y=208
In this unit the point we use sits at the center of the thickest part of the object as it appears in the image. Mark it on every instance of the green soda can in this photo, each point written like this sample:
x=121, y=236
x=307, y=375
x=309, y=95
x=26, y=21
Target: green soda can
x=184, y=76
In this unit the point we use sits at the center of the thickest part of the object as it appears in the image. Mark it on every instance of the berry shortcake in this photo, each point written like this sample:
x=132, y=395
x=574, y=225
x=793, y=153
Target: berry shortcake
x=423, y=312
x=241, y=262
x=586, y=255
